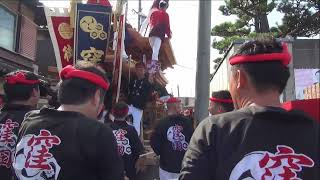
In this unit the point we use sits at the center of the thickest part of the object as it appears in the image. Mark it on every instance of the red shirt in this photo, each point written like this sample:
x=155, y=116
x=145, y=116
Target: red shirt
x=160, y=24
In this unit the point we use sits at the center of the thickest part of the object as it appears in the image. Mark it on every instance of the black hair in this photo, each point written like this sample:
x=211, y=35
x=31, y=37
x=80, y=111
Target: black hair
x=20, y=92
x=163, y=5
x=224, y=94
x=45, y=89
x=118, y=107
x=156, y=3
x=76, y=91
x=264, y=75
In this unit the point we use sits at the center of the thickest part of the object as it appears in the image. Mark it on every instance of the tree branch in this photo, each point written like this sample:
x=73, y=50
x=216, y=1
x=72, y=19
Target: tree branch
x=303, y=25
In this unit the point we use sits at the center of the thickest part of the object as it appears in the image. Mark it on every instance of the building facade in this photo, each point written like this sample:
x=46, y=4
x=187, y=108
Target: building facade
x=18, y=34
x=304, y=68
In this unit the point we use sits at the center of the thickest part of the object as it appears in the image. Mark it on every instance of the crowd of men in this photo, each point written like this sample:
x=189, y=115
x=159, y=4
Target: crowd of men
x=247, y=136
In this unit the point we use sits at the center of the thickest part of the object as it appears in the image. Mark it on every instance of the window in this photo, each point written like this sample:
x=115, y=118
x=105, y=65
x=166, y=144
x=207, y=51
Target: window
x=7, y=28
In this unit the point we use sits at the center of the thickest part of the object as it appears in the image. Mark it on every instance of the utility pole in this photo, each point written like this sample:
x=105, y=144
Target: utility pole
x=139, y=16
x=203, y=60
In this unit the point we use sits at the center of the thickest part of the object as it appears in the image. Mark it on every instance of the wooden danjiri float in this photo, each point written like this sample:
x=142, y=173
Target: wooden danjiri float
x=99, y=33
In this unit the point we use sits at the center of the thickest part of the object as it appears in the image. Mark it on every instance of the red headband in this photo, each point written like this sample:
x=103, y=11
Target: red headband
x=70, y=72
x=221, y=100
x=173, y=100
x=284, y=57
x=120, y=112
x=20, y=78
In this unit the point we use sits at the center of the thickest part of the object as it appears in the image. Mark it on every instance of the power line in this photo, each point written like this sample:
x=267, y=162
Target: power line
x=185, y=67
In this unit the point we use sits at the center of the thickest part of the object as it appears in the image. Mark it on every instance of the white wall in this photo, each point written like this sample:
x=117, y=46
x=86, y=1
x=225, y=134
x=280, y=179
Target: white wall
x=220, y=80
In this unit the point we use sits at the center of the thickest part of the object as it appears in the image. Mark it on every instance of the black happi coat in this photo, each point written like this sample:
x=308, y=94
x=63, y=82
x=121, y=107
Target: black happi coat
x=170, y=140
x=129, y=146
x=11, y=117
x=254, y=143
x=140, y=90
x=66, y=145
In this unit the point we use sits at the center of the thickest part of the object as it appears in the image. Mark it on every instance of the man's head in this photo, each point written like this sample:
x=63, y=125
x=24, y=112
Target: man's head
x=120, y=111
x=259, y=68
x=22, y=87
x=158, y=4
x=173, y=105
x=83, y=88
x=163, y=4
x=220, y=102
x=140, y=70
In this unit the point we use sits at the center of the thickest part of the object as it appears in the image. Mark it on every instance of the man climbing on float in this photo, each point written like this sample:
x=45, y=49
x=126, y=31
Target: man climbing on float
x=140, y=90
x=159, y=28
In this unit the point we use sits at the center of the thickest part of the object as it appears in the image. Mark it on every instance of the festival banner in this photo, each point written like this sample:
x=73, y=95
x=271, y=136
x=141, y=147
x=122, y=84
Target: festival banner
x=61, y=34
x=92, y=32
x=117, y=68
